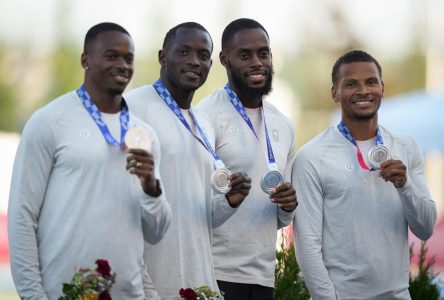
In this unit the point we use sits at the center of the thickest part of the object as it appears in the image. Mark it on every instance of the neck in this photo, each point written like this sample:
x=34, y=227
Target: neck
x=362, y=130
x=105, y=102
x=182, y=97
x=247, y=101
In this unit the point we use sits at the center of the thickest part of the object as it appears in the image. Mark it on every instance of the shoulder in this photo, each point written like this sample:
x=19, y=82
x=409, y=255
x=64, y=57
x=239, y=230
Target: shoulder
x=48, y=115
x=397, y=138
x=315, y=147
x=213, y=102
x=140, y=94
x=275, y=115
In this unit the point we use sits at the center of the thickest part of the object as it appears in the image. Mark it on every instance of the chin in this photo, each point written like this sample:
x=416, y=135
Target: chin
x=117, y=90
x=364, y=117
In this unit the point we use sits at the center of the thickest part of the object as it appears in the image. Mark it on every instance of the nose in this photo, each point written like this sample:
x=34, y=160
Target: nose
x=123, y=64
x=362, y=89
x=193, y=59
x=256, y=61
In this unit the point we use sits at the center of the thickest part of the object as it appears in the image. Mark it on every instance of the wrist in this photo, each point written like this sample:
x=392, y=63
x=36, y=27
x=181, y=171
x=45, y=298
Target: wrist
x=154, y=190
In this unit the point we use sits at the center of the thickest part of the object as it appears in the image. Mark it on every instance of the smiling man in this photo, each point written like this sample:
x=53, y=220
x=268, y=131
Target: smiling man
x=77, y=194
x=360, y=188
x=183, y=258
x=251, y=135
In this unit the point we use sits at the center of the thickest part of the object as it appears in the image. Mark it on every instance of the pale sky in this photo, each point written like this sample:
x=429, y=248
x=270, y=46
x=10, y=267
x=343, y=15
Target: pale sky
x=387, y=26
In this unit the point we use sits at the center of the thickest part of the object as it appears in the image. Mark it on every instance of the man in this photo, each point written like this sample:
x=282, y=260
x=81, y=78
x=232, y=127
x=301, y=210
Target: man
x=246, y=125
x=76, y=194
x=183, y=258
x=357, y=199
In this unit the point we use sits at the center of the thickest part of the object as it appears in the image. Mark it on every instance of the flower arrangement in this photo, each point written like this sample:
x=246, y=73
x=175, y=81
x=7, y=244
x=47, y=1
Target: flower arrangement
x=90, y=284
x=200, y=293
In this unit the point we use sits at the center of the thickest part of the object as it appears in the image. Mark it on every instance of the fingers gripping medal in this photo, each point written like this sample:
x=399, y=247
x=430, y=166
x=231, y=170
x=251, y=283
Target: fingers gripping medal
x=270, y=181
x=138, y=138
x=377, y=155
x=220, y=180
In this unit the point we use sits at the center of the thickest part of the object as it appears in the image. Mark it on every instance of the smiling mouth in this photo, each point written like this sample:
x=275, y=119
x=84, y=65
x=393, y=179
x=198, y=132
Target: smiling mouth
x=191, y=74
x=363, y=102
x=121, y=78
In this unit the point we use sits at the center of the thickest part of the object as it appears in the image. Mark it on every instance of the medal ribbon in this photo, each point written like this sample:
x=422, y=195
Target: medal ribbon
x=234, y=99
x=163, y=92
x=95, y=114
x=347, y=134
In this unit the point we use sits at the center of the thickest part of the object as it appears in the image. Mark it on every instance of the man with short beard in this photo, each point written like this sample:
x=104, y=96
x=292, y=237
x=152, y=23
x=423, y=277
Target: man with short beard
x=251, y=135
x=361, y=187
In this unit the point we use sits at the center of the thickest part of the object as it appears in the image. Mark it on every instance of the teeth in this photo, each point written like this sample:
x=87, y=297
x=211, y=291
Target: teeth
x=256, y=76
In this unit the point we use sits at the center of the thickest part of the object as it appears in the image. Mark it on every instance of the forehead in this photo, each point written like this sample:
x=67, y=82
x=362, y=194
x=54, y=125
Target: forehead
x=192, y=37
x=249, y=39
x=358, y=70
x=111, y=40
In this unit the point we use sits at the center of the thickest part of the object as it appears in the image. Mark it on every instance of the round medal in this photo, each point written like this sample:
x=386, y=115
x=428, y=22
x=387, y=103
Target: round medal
x=220, y=180
x=270, y=181
x=377, y=155
x=138, y=138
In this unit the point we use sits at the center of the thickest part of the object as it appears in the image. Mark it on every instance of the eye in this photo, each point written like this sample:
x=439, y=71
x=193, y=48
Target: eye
x=111, y=56
x=182, y=52
x=349, y=84
x=244, y=55
x=264, y=54
x=204, y=56
x=129, y=59
x=373, y=81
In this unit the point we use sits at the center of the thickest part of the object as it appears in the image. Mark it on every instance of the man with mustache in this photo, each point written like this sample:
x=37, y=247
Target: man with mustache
x=183, y=258
x=77, y=193
x=361, y=187
x=251, y=135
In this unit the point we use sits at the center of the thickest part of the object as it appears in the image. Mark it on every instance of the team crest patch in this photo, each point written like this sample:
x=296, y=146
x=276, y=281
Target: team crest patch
x=84, y=134
x=348, y=166
x=275, y=135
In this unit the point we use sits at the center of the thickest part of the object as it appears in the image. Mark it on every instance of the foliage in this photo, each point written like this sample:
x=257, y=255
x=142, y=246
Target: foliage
x=422, y=285
x=200, y=293
x=289, y=284
x=90, y=284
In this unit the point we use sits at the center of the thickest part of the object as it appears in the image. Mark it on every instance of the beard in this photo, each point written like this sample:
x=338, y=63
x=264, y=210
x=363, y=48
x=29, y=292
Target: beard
x=251, y=92
x=366, y=117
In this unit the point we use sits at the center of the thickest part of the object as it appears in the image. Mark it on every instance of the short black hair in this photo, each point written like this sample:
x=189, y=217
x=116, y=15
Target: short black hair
x=171, y=34
x=94, y=31
x=352, y=57
x=238, y=25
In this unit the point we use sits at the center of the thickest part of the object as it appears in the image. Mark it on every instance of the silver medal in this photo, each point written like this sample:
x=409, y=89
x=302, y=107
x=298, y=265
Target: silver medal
x=270, y=181
x=138, y=138
x=377, y=155
x=220, y=180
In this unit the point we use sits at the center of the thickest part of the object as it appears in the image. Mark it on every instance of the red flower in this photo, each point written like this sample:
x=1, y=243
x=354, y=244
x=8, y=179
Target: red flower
x=188, y=294
x=105, y=296
x=103, y=268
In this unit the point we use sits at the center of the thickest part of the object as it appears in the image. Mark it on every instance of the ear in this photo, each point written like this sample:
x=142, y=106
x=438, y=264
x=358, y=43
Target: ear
x=382, y=82
x=333, y=94
x=161, y=57
x=84, y=61
x=223, y=59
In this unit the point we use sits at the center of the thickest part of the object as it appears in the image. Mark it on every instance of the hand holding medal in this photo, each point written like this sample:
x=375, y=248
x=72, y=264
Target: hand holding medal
x=284, y=195
x=140, y=161
x=138, y=138
x=377, y=155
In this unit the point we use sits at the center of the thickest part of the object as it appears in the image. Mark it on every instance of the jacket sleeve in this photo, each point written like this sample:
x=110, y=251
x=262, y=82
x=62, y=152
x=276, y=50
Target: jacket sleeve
x=156, y=211
x=284, y=217
x=419, y=208
x=32, y=168
x=307, y=229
